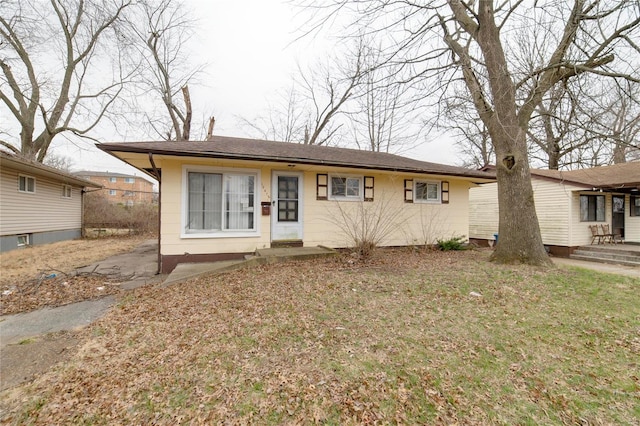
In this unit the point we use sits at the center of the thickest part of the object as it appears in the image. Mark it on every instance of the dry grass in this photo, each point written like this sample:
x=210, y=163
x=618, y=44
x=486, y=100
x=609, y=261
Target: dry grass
x=400, y=340
x=23, y=282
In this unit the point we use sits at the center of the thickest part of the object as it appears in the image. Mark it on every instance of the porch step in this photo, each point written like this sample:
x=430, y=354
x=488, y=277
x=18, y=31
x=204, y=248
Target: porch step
x=604, y=254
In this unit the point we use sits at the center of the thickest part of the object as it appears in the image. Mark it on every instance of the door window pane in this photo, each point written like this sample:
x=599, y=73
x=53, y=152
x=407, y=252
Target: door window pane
x=287, y=199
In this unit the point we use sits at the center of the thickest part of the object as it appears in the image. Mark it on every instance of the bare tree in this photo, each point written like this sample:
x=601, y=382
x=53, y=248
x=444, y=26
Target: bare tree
x=460, y=119
x=327, y=90
x=283, y=121
x=53, y=55
x=615, y=118
x=441, y=41
x=166, y=28
x=309, y=112
x=386, y=117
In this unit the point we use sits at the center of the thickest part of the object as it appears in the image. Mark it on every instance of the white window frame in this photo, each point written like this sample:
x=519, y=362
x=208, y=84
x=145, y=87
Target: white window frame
x=113, y=179
x=222, y=233
x=26, y=184
x=347, y=197
x=129, y=180
x=428, y=182
x=67, y=191
x=113, y=192
x=23, y=240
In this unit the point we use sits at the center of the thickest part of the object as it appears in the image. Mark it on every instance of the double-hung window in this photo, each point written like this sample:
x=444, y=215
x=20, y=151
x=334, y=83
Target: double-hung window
x=222, y=203
x=26, y=184
x=427, y=191
x=592, y=208
x=634, y=209
x=346, y=187
x=66, y=191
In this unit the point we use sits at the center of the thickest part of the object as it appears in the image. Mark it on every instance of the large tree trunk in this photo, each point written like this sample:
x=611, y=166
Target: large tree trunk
x=518, y=229
x=519, y=239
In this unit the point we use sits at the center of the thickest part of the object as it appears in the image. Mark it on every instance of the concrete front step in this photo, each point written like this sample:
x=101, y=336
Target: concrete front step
x=619, y=249
x=604, y=255
x=601, y=260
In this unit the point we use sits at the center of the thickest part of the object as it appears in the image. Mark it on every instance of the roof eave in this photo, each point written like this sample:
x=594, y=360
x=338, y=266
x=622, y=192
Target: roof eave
x=49, y=172
x=111, y=148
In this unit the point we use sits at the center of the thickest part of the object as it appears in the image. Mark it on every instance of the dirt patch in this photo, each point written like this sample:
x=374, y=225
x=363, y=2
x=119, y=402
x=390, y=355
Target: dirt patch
x=30, y=358
x=27, y=264
x=46, y=276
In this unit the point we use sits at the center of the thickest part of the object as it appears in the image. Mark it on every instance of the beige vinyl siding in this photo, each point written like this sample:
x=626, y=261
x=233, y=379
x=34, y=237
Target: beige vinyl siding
x=410, y=223
x=407, y=223
x=552, y=201
x=580, y=233
x=557, y=207
x=172, y=242
x=42, y=211
x=483, y=211
x=631, y=223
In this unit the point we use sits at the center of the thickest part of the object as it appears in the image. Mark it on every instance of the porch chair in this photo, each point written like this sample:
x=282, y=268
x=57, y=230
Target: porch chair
x=606, y=234
x=595, y=234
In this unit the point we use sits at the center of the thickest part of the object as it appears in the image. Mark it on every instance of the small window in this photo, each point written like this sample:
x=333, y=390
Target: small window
x=113, y=192
x=129, y=203
x=346, y=187
x=26, y=184
x=129, y=193
x=129, y=180
x=23, y=240
x=66, y=191
x=634, y=210
x=426, y=192
x=592, y=208
x=113, y=179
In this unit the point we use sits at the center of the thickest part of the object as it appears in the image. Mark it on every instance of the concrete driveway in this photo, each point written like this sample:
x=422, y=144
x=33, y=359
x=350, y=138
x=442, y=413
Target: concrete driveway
x=140, y=265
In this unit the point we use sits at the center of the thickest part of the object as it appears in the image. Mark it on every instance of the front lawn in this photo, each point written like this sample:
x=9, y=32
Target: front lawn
x=411, y=338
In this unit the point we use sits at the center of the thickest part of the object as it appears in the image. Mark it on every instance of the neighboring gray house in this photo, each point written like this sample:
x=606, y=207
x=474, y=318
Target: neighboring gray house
x=38, y=204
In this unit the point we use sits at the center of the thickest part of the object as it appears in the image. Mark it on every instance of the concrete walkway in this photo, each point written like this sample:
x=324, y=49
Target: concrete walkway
x=185, y=271
x=629, y=271
x=138, y=266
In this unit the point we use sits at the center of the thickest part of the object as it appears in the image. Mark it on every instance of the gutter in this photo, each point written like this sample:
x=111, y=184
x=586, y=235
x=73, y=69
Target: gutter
x=279, y=159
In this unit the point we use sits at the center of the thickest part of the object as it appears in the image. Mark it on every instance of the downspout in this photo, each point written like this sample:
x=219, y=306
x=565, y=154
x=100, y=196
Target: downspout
x=156, y=173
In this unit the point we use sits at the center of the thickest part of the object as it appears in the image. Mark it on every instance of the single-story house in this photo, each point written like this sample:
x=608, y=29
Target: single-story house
x=226, y=197
x=38, y=204
x=567, y=203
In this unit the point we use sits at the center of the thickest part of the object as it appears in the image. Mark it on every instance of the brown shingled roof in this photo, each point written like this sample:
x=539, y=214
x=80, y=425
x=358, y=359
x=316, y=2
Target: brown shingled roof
x=261, y=150
x=618, y=176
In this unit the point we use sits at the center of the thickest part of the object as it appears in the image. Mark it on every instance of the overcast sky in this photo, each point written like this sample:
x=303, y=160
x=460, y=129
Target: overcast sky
x=250, y=55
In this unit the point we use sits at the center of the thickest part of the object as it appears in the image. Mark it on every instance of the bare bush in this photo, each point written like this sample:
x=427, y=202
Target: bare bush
x=367, y=224
x=136, y=219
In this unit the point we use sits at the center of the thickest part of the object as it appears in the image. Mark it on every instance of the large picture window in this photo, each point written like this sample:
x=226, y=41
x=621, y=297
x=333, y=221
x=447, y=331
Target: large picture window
x=592, y=208
x=220, y=202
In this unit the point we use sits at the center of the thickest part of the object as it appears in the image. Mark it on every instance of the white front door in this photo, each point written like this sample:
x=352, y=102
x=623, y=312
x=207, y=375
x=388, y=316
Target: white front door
x=286, y=206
